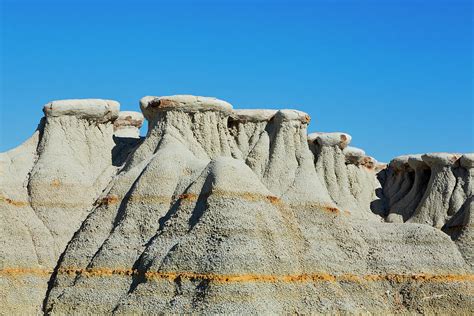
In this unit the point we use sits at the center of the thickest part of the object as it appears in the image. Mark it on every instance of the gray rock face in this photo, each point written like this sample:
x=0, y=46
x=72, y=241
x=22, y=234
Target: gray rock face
x=224, y=211
x=89, y=109
x=348, y=174
x=434, y=189
x=48, y=187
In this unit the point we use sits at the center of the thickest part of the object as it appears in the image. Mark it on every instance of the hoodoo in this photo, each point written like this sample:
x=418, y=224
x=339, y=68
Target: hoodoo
x=49, y=185
x=226, y=211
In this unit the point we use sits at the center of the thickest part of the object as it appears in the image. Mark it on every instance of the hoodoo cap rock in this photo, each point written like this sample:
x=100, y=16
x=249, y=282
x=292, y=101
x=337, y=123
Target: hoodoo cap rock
x=400, y=162
x=415, y=162
x=292, y=115
x=440, y=159
x=90, y=109
x=253, y=115
x=150, y=105
x=467, y=161
x=331, y=139
x=353, y=154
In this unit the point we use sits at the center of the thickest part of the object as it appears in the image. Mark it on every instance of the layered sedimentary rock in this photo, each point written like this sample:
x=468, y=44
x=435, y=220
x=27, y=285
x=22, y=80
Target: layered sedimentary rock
x=48, y=187
x=219, y=210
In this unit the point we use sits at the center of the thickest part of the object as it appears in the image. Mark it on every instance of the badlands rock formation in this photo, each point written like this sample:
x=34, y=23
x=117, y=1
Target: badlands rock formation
x=219, y=210
x=434, y=189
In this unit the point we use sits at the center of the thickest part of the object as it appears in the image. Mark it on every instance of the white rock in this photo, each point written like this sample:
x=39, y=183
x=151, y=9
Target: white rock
x=91, y=109
x=331, y=139
x=150, y=105
x=353, y=154
x=254, y=115
x=293, y=115
x=440, y=159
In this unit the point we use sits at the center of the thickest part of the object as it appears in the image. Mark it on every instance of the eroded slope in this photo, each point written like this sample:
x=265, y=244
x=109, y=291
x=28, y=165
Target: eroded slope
x=219, y=210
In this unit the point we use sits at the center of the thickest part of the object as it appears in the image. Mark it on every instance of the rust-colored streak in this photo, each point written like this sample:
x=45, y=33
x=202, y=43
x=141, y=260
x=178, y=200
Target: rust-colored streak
x=327, y=208
x=113, y=199
x=331, y=209
x=306, y=119
x=235, y=278
x=56, y=183
x=247, y=196
x=25, y=272
x=188, y=197
x=274, y=200
x=13, y=202
x=108, y=200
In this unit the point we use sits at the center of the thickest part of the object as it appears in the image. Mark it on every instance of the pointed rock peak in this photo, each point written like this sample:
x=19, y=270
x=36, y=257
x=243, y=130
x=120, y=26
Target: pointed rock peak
x=150, y=105
x=330, y=139
x=253, y=115
x=90, y=109
x=467, y=161
x=440, y=159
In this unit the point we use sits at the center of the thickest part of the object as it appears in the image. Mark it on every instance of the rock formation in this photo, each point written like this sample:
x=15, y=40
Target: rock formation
x=434, y=189
x=48, y=187
x=219, y=210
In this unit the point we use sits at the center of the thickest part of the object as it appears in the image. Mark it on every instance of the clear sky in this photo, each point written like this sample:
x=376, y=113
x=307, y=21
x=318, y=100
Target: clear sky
x=396, y=75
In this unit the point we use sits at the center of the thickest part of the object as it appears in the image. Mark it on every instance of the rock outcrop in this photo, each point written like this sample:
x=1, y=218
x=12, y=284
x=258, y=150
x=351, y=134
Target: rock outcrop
x=49, y=185
x=219, y=210
x=435, y=189
x=348, y=174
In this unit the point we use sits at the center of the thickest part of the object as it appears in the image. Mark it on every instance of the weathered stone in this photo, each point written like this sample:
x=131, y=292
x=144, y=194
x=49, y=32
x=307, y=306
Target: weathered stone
x=222, y=211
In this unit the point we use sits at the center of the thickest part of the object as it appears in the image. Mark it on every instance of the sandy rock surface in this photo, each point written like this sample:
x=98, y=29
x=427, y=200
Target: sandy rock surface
x=226, y=211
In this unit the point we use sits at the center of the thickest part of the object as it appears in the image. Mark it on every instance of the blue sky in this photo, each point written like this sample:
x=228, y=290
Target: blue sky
x=396, y=75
